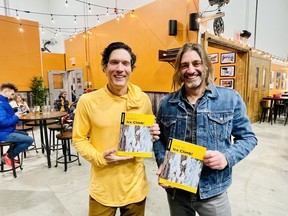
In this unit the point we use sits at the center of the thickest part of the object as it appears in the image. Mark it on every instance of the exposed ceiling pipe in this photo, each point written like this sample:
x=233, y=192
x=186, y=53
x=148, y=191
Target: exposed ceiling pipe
x=255, y=27
x=6, y=6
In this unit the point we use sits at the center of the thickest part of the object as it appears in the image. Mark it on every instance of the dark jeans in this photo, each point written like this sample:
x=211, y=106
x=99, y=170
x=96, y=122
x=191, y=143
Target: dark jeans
x=22, y=140
x=181, y=204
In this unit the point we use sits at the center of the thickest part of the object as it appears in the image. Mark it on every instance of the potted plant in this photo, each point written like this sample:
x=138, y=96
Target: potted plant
x=38, y=92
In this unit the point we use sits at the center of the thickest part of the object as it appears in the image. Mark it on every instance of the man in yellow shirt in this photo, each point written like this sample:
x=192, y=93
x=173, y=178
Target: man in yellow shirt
x=116, y=182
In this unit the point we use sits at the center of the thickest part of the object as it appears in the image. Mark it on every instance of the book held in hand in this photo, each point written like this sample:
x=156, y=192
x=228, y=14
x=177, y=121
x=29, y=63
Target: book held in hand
x=182, y=165
x=135, y=138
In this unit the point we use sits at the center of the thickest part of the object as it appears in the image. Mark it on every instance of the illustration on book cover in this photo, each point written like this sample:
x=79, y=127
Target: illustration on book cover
x=182, y=165
x=135, y=138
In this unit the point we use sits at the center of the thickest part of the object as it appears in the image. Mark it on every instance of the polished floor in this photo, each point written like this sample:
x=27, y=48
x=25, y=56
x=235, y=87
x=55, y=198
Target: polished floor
x=260, y=183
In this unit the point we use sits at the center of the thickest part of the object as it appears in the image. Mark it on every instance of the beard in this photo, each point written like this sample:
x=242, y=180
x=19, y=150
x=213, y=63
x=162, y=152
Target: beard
x=194, y=84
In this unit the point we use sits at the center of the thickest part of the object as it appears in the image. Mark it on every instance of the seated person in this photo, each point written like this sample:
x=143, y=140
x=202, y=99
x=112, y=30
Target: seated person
x=8, y=121
x=61, y=104
x=20, y=104
x=73, y=109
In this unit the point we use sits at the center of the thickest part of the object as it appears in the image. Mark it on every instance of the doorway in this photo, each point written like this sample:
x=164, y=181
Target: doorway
x=71, y=81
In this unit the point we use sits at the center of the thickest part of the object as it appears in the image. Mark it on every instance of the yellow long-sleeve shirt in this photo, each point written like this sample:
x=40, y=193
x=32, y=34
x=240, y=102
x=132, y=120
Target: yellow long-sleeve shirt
x=98, y=114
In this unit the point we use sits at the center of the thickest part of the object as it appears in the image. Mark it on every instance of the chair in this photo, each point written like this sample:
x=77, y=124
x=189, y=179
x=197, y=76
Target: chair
x=12, y=146
x=278, y=109
x=286, y=112
x=66, y=138
x=52, y=128
x=265, y=109
x=26, y=129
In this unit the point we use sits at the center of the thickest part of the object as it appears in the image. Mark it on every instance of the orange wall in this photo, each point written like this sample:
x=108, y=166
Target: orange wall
x=52, y=61
x=146, y=32
x=20, y=58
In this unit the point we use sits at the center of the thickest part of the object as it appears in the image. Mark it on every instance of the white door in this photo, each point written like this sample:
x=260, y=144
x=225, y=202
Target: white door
x=70, y=81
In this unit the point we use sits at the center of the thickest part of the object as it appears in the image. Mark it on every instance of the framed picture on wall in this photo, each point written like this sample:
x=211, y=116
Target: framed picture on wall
x=214, y=57
x=227, y=58
x=227, y=71
x=229, y=83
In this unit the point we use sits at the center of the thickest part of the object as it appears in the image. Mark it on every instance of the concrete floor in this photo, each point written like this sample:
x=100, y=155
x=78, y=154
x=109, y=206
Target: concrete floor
x=260, y=183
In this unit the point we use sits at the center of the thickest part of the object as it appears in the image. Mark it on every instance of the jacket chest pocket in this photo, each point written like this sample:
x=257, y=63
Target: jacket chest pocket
x=220, y=124
x=169, y=127
x=174, y=127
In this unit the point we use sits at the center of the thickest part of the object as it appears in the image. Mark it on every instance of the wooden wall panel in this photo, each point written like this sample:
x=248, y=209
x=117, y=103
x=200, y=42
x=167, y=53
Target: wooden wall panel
x=257, y=85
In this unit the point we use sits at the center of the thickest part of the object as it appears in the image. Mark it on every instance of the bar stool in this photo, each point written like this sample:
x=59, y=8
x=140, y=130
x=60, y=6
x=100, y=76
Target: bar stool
x=27, y=129
x=12, y=146
x=66, y=158
x=37, y=123
x=52, y=128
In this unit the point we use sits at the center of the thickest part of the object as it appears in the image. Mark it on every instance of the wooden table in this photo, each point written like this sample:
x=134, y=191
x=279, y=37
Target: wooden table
x=42, y=122
x=272, y=104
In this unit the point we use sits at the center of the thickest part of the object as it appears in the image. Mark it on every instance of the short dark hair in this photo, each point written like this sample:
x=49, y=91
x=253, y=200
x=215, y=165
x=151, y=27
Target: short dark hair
x=113, y=46
x=8, y=85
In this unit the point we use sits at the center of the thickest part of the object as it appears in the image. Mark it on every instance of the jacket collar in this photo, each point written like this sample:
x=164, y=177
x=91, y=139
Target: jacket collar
x=3, y=98
x=210, y=91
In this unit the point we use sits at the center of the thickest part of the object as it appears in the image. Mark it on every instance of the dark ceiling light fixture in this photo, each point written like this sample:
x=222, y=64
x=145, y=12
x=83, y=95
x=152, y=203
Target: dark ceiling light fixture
x=220, y=3
x=245, y=34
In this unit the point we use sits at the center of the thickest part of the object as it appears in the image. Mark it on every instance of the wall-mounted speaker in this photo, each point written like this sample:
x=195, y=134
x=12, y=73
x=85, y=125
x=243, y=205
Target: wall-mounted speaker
x=172, y=27
x=193, y=22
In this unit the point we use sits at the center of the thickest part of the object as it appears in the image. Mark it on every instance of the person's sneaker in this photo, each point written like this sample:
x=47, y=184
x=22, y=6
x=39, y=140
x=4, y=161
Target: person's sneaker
x=8, y=161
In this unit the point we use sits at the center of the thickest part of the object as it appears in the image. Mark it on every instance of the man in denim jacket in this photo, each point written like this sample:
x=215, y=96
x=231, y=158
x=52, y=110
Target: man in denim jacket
x=206, y=115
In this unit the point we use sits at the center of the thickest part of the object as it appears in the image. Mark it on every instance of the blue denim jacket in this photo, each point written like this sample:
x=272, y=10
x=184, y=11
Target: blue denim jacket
x=221, y=115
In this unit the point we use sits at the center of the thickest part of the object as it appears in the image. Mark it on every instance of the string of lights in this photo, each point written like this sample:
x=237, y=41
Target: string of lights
x=65, y=31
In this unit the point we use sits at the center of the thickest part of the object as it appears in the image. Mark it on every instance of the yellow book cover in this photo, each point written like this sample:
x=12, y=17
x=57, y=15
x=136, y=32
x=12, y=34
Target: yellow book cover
x=135, y=138
x=182, y=165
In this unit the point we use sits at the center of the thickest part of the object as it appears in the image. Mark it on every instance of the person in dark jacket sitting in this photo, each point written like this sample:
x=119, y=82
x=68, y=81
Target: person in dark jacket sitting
x=61, y=104
x=8, y=121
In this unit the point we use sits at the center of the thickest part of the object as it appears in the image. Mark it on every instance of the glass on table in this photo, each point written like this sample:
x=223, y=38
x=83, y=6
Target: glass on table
x=37, y=110
x=46, y=110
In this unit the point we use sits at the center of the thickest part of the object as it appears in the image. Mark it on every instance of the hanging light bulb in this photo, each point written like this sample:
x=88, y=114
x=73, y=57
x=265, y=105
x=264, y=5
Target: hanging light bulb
x=21, y=29
x=89, y=9
x=75, y=21
x=122, y=14
x=59, y=32
x=74, y=36
x=52, y=19
x=132, y=13
x=41, y=29
x=107, y=13
x=66, y=3
x=17, y=15
x=117, y=18
x=98, y=20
